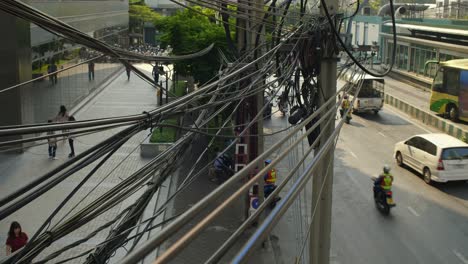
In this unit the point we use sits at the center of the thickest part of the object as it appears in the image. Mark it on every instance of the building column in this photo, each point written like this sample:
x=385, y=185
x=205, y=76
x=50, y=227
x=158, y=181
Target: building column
x=15, y=65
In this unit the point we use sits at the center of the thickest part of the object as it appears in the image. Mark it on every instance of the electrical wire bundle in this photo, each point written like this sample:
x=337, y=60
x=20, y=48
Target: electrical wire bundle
x=222, y=94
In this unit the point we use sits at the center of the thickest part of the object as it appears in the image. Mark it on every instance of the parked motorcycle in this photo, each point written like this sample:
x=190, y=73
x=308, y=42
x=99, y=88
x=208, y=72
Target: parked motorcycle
x=383, y=199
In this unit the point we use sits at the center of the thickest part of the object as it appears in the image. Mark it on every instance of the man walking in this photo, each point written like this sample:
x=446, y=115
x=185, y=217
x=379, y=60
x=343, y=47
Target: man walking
x=156, y=74
x=91, y=70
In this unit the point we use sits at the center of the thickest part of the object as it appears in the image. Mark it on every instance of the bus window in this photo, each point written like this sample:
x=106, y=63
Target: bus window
x=438, y=81
x=451, y=81
x=463, y=99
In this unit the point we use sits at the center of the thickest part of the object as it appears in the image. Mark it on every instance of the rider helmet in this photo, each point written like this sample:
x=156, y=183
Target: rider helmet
x=268, y=161
x=386, y=168
x=346, y=96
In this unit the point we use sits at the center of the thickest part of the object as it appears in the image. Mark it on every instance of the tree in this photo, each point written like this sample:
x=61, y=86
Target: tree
x=138, y=11
x=189, y=31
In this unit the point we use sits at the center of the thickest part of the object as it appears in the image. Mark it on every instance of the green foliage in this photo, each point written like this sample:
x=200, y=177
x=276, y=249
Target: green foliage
x=189, y=31
x=138, y=11
x=464, y=139
x=166, y=134
x=375, y=4
x=179, y=88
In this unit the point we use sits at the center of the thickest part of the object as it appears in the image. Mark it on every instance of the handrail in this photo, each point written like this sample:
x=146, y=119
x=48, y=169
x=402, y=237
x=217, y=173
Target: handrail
x=49, y=74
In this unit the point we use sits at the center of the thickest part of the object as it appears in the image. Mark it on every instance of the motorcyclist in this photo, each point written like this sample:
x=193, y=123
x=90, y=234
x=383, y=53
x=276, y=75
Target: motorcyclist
x=270, y=180
x=222, y=168
x=345, y=105
x=384, y=181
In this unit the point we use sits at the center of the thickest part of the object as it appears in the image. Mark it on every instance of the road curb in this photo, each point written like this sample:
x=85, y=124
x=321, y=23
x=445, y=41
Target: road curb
x=426, y=117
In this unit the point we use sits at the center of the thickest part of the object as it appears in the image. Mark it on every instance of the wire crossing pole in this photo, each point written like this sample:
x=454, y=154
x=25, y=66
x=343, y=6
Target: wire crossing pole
x=258, y=99
x=319, y=242
x=245, y=43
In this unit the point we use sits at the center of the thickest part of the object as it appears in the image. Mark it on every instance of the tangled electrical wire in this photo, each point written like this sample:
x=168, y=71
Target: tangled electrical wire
x=295, y=51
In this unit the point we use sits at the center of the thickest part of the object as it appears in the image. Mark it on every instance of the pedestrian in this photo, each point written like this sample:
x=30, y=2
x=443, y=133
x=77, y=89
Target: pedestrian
x=128, y=69
x=71, y=140
x=156, y=73
x=91, y=70
x=53, y=69
x=62, y=116
x=16, y=238
x=52, y=144
x=49, y=71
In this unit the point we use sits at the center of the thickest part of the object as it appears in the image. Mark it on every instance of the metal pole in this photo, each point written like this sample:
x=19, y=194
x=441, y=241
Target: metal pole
x=319, y=243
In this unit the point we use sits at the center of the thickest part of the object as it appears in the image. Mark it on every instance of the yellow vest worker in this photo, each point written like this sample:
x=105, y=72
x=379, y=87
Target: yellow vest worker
x=386, y=180
x=270, y=177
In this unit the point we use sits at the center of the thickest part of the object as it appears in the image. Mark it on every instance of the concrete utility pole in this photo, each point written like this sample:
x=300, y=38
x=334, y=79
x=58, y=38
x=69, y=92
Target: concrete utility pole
x=246, y=34
x=319, y=242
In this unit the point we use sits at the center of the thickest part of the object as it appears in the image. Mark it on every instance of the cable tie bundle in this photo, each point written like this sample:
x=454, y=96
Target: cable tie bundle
x=50, y=238
x=149, y=121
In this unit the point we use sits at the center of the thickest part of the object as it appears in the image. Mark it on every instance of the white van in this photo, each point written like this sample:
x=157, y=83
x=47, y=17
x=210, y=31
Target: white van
x=439, y=157
x=371, y=95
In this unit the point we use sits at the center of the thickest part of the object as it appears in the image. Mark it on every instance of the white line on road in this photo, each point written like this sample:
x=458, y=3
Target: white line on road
x=352, y=153
x=382, y=134
x=460, y=256
x=413, y=211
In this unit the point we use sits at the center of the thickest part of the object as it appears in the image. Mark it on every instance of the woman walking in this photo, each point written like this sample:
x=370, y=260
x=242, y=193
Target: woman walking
x=62, y=115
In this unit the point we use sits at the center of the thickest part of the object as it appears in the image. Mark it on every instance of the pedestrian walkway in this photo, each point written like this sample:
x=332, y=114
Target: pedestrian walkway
x=284, y=243
x=120, y=97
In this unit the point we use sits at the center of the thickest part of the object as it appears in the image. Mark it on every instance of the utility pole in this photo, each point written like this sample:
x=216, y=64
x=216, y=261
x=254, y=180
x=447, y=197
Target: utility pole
x=319, y=242
x=246, y=34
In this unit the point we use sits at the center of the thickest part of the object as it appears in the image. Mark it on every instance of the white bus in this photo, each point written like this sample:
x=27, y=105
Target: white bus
x=371, y=95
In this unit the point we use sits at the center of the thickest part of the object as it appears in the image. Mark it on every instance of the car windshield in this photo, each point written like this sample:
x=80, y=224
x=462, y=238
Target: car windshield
x=455, y=153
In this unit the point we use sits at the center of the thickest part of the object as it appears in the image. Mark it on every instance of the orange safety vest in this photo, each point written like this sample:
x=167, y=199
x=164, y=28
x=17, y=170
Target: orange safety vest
x=271, y=177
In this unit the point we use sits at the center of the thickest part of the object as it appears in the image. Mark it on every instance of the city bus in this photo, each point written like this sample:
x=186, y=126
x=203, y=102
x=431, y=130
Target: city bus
x=449, y=96
x=371, y=95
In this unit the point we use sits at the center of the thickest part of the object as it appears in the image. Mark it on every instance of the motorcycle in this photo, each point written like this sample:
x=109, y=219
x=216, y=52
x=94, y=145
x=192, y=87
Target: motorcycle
x=383, y=199
x=348, y=116
x=268, y=189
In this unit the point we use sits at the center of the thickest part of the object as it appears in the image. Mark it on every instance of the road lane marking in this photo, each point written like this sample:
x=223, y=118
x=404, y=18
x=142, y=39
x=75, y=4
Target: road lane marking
x=352, y=153
x=409, y=120
x=413, y=211
x=382, y=134
x=460, y=256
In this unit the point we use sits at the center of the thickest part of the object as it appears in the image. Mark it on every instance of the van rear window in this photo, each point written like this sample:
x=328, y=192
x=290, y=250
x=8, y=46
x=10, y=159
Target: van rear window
x=455, y=153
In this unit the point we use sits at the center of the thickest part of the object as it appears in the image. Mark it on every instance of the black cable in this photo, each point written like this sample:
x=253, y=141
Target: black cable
x=112, y=149
x=337, y=34
x=22, y=190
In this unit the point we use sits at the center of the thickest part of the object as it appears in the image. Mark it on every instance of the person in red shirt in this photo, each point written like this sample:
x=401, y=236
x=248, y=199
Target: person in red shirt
x=16, y=238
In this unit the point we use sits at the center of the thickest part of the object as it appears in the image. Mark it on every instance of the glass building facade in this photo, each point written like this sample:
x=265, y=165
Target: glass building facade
x=32, y=53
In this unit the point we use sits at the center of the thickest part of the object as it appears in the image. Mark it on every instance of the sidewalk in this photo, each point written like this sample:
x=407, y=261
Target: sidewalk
x=120, y=97
x=286, y=241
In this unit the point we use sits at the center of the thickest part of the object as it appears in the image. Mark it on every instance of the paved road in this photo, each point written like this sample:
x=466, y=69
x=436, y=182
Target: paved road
x=414, y=96
x=429, y=224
